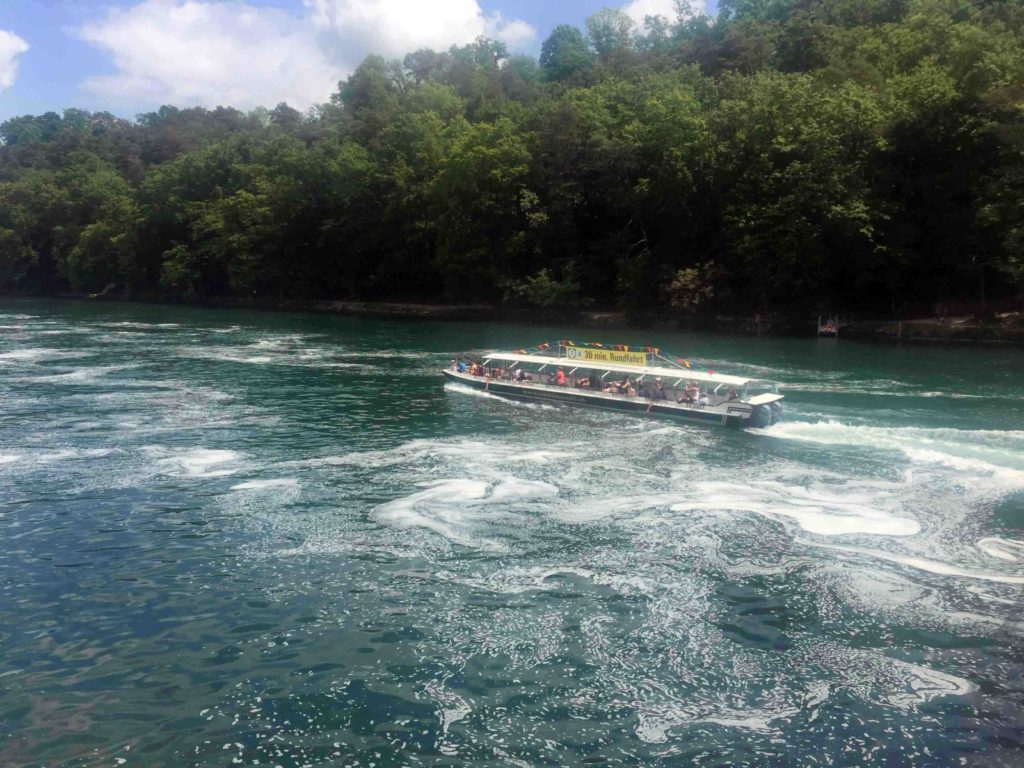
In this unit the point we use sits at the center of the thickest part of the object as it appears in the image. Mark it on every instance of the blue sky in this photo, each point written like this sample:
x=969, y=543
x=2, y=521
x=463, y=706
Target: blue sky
x=129, y=56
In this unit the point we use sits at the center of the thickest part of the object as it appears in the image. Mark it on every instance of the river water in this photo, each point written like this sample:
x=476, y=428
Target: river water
x=233, y=538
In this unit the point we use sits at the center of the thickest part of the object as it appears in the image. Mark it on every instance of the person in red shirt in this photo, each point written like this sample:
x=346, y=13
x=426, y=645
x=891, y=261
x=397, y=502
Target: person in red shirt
x=560, y=378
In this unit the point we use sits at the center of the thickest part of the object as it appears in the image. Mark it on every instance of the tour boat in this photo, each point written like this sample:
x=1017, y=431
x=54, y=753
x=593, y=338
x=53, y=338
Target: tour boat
x=619, y=377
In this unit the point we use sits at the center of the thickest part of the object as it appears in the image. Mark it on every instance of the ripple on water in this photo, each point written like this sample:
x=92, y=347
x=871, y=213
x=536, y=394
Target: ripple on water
x=480, y=582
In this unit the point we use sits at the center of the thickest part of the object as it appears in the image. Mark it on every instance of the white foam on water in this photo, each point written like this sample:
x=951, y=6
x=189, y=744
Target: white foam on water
x=542, y=578
x=920, y=563
x=31, y=355
x=396, y=354
x=588, y=510
x=1003, y=549
x=514, y=489
x=127, y=324
x=656, y=722
x=81, y=375
x=471, y=451
x=519, y=579
x=195, y=462
x=883, y=391
x=817, y=509
x=874, y=676
x=464, y=389
x=445, y=507
x=998, y=454
x=451, y=709
x=958, y=396
x=464, y=510
x=8, y=458
x=71, y=454
x=259, y=485
x=268, y=352
x=927, y=684
x=26, y=354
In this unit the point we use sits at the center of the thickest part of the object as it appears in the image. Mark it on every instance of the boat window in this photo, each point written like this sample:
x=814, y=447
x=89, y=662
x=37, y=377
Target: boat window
x=755, y=388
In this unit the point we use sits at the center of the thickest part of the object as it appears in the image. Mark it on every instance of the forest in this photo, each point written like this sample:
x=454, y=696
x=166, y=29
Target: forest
x=785, y=154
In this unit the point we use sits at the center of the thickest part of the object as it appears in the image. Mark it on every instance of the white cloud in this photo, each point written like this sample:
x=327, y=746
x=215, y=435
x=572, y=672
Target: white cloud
x=11, y=47
x=391, y=28
x=204, y=52
x=638, y=10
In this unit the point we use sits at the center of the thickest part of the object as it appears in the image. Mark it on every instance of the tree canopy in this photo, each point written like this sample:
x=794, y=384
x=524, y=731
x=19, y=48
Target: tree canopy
x=786, y=154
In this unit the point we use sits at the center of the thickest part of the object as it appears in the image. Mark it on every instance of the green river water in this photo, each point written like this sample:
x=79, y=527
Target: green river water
x=233, y=538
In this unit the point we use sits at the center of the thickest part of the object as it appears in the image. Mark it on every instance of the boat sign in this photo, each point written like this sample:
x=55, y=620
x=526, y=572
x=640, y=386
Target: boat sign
x=585, y=355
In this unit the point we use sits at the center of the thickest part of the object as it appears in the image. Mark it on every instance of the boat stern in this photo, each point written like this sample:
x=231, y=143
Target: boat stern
x=766, y=410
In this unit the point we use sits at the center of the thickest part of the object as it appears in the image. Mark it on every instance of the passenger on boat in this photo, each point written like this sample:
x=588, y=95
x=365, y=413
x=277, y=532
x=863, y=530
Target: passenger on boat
x=461, y=367
x=690, y=393
x=731, y=395
x=583, y=383
x=560, y=378
x=702, y=399
x=658, y=393
x=520, y=375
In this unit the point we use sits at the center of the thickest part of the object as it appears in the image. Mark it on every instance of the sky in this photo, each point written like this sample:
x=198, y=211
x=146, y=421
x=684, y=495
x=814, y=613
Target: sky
x=132, y=56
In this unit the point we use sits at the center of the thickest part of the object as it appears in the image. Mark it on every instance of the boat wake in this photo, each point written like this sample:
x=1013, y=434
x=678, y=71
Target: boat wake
x=995, y=455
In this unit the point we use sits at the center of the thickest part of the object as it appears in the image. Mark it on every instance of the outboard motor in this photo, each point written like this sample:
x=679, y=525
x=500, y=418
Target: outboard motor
x=760, y=416
x=776, y=409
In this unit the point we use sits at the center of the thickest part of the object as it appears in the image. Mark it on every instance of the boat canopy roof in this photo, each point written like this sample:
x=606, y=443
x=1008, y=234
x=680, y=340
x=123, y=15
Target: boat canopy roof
x=639, y=370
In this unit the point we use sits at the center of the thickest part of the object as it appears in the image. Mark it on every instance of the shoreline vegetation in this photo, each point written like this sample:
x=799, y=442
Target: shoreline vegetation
x=783, y=160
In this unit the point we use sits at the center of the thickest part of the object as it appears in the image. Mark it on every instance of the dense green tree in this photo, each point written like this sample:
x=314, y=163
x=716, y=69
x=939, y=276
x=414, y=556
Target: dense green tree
x=611, y=34
x=785, y=154
x=564, y=53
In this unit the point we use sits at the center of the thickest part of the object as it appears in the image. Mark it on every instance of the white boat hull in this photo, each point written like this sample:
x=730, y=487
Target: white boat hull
x=732, y=414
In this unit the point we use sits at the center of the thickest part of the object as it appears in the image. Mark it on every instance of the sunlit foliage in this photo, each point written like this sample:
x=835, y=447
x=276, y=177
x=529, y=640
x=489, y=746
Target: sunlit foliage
x=863, y=153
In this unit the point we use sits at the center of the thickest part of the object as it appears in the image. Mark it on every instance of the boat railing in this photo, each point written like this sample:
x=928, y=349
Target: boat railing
x=602, y=394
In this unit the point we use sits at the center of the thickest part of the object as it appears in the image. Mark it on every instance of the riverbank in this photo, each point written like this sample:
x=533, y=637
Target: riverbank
x=1006, y=329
